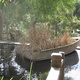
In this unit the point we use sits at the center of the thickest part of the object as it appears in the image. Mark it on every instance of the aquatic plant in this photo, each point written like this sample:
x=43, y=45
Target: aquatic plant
x=29, y=77
x=30, y=71
x=2, y=78
x=43, y=76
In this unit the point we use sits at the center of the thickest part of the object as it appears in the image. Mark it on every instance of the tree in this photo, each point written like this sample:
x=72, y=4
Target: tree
x=1, y=26
x=24, y=13
x=54, y=11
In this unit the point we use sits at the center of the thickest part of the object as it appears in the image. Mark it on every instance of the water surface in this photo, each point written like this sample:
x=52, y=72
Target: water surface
x=12, y=65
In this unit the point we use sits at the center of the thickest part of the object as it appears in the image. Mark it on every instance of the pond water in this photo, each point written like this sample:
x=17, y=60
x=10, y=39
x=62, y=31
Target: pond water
x=15, y=66
x=72, y=66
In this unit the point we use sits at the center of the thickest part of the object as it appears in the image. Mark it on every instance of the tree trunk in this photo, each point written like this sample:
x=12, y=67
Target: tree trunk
x=1, y=26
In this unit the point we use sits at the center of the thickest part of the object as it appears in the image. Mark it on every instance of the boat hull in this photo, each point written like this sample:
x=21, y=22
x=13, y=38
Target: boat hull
x=46, y=54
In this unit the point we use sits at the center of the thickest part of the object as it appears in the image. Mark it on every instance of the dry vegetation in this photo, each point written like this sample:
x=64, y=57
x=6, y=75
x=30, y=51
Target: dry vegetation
x=40, y=39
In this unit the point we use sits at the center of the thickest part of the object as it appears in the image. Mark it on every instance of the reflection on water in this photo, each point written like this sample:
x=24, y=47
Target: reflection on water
x=12, y=65
x=38, y=66
x=71, y=59
x=72, y=71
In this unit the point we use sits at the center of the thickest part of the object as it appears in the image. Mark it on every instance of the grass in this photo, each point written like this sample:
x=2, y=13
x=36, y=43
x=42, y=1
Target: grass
x=43, y=76
x=2, y=78
x=30, y=71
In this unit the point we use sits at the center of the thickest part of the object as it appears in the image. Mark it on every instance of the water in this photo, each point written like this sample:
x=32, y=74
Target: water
x=12, y=65
x=15, y=66
x=72, y=66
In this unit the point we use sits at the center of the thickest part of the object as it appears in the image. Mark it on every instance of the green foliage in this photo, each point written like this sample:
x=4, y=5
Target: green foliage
x=2, y=78
x=23, y=13
x=21, y=78
x=11, y=78
x=5, y=2
x=30, y=71
x=43, y=76
x=51, y=7
x=77, y=10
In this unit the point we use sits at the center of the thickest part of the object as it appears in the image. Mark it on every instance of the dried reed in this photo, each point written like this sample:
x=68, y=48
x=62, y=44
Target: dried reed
x=40, y=39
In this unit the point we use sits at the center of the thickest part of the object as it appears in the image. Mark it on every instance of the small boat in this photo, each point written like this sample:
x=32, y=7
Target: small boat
x=46, y=54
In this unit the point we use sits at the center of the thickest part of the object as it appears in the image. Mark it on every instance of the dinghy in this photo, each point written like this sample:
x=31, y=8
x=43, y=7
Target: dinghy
x=46, y=54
